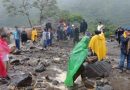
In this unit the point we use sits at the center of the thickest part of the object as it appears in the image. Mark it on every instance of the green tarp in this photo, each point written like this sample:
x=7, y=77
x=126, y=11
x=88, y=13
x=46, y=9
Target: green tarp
x=77, y=57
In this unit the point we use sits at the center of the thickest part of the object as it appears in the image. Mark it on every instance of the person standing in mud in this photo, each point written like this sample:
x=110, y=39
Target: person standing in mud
x=34, y=35
x=60, y=32
x=4, y=53
x=17, y=37
x=50, y=37
x=125, y=50
x=76, y=34
x=44, y=39
x=118, y=34
x=24, y=37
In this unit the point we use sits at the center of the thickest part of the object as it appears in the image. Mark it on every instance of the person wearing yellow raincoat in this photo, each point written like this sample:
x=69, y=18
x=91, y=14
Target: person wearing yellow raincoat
x=98, y=45
x=34, y=35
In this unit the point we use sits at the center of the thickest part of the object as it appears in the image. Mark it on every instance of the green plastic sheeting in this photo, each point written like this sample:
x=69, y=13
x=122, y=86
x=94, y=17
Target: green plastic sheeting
x=77, y=57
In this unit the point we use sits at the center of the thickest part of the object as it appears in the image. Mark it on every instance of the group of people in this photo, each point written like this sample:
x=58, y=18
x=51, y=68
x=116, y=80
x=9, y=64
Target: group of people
x=25, y=37
x=68, y=31
x=18, y=37
x=97, y=44
x=123, y=37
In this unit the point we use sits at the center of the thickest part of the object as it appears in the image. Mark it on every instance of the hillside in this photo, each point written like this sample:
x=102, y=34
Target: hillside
x=116, y=11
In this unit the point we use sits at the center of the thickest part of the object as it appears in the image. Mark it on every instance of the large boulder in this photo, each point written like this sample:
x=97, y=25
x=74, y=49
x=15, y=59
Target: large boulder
x=40, y=68
x=12, y=48
x=97, y=69
x=22, y=80
x=17, y=52
x=15, y=62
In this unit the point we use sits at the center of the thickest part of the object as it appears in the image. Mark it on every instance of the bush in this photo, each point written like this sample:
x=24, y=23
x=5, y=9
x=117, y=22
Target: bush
x=109, y=28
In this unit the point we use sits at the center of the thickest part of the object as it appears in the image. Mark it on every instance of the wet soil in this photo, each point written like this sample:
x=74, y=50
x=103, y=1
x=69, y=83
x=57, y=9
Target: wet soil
x=56, y=59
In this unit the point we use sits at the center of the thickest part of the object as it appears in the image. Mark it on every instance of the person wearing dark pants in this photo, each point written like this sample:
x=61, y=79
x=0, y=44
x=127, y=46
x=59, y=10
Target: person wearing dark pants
x=24, y=37
x=125, y=50
x=17, y=38
x=83, y=26
x=76, y=35
x=17, y=43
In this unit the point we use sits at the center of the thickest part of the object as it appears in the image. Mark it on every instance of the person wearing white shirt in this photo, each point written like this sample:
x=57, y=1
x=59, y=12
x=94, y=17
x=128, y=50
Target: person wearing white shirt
x=100, y=27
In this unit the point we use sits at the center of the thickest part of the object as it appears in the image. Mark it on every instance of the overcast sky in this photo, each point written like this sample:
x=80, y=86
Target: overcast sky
x=114, y=10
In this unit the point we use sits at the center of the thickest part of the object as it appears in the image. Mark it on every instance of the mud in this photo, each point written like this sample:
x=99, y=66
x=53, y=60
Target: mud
x=55, y=62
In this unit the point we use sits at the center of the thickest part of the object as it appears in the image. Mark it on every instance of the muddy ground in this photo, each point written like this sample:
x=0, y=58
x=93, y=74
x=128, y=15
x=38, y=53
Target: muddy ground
x=55, y=59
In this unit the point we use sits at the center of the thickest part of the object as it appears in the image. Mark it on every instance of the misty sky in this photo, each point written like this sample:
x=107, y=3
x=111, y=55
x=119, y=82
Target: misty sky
x=116, y=11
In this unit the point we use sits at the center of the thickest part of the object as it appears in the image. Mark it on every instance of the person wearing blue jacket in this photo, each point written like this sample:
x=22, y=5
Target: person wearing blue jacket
x=17, y=37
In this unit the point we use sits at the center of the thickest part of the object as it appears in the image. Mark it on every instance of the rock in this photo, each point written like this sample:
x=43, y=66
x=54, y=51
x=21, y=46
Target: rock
x=41, y=86
x=12, y=48
x=11, y=87
x=32, y=47
x=99, y=83
x=17, y=52
x=56, y=60
x=22, y=80
x=64, y=56
x=29, y=88
x=32, y=62
x=3, y=81
x=106, y=87
x=55, y=82
x=46, y=64
x=15, y=62
x=40, y=68
x=114, y=66
x=25, y=59
x=10, y=57
x=89, y=83
x=48, y=78
x=97, y=69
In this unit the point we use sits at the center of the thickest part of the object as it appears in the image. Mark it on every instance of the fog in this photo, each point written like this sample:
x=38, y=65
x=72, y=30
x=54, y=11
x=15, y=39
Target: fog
x=116, y=11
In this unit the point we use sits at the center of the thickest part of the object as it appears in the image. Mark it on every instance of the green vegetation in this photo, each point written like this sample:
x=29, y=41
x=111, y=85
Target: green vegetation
x=109, y=28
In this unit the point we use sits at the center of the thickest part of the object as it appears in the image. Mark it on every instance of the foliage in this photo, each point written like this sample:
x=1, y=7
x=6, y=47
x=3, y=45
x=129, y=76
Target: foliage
x=46, y=8
x=18, y=7
x=109, y=27
x=75, y=17
x=67, y=16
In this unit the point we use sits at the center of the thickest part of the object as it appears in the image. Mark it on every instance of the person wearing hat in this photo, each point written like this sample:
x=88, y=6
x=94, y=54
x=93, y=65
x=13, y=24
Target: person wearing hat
x=125, y=50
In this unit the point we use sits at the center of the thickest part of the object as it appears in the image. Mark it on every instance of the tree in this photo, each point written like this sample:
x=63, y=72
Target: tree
x=75, y=17
x=19, y=7
x=64, y=15
x=47, y=8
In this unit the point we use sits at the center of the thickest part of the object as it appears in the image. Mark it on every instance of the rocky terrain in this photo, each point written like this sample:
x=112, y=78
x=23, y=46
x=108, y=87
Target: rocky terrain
x=46, y=69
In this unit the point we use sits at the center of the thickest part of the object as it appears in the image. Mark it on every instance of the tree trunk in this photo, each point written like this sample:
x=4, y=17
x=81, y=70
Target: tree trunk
x=29, y=20
x=41, y=17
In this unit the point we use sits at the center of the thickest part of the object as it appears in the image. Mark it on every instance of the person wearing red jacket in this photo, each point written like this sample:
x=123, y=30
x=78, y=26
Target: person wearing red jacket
x=4, y=52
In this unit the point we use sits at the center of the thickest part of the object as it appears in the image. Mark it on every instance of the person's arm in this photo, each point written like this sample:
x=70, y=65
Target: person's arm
x=124, y=40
